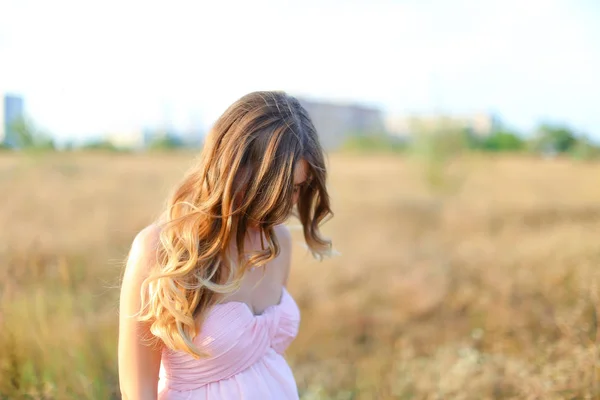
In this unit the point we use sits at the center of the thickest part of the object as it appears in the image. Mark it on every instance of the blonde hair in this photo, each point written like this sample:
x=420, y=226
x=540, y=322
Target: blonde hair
x=244, y=177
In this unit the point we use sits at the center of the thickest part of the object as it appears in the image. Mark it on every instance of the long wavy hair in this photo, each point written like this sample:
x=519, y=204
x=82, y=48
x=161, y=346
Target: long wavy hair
x=243, y=178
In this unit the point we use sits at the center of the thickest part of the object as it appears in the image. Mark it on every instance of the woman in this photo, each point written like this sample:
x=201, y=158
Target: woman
x=204, y=310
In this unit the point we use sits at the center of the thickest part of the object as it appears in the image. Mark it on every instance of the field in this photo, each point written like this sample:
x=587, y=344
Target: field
x=481, y=284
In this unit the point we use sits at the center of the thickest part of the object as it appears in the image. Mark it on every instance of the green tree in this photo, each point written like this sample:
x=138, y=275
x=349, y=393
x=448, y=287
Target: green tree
x=503, y=140
x=437, y=151
x=30, y=137
x=101, y=145
x=471, y=140
x=166, y=142
x=554, y=138
x=585, y=149
x=374, y=142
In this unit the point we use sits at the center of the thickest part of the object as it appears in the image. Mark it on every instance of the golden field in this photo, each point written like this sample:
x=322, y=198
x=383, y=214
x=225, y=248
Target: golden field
x=487, y=287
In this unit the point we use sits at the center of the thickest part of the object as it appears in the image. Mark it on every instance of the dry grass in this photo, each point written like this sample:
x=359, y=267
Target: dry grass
x=489, y=291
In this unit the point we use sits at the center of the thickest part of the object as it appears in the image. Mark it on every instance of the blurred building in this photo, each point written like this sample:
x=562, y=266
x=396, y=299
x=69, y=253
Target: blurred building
x=478, y=124
x=335, y=122
x=142, y=139
x=134, y=139
x=12, y=110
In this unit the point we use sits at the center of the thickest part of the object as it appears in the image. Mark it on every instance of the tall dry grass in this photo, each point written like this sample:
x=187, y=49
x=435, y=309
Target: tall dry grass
x=486, y=291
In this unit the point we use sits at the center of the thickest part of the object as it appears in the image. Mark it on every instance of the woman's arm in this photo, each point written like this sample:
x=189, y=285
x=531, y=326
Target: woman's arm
x=139, y=360
x=285, y=241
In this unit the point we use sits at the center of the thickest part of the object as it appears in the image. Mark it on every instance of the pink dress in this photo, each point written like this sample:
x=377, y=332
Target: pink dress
x=246, y=359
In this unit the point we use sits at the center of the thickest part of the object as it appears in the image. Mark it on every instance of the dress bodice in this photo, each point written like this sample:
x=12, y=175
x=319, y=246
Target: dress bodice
x=235, y=339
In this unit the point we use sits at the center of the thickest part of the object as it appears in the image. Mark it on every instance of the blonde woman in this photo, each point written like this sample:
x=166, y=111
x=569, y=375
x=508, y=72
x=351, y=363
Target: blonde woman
x=204, y=309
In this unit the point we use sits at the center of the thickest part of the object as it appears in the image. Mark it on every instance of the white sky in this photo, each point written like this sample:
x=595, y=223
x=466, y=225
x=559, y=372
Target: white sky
x=88, y=67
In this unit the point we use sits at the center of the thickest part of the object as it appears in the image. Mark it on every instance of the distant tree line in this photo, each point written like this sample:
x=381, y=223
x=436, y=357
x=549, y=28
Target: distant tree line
x=548, y=140
x=164, y=142
x=27, y=136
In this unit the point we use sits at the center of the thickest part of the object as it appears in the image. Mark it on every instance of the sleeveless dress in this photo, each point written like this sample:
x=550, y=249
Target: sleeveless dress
x=246, y=359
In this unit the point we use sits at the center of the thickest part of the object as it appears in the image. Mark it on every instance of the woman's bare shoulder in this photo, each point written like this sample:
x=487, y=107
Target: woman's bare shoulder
x=285, y=242
x=142, y=255
x=283, y=235
x=147, y=239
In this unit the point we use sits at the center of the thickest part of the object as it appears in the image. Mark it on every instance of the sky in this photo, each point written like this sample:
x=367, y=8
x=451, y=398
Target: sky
x=90, y=67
